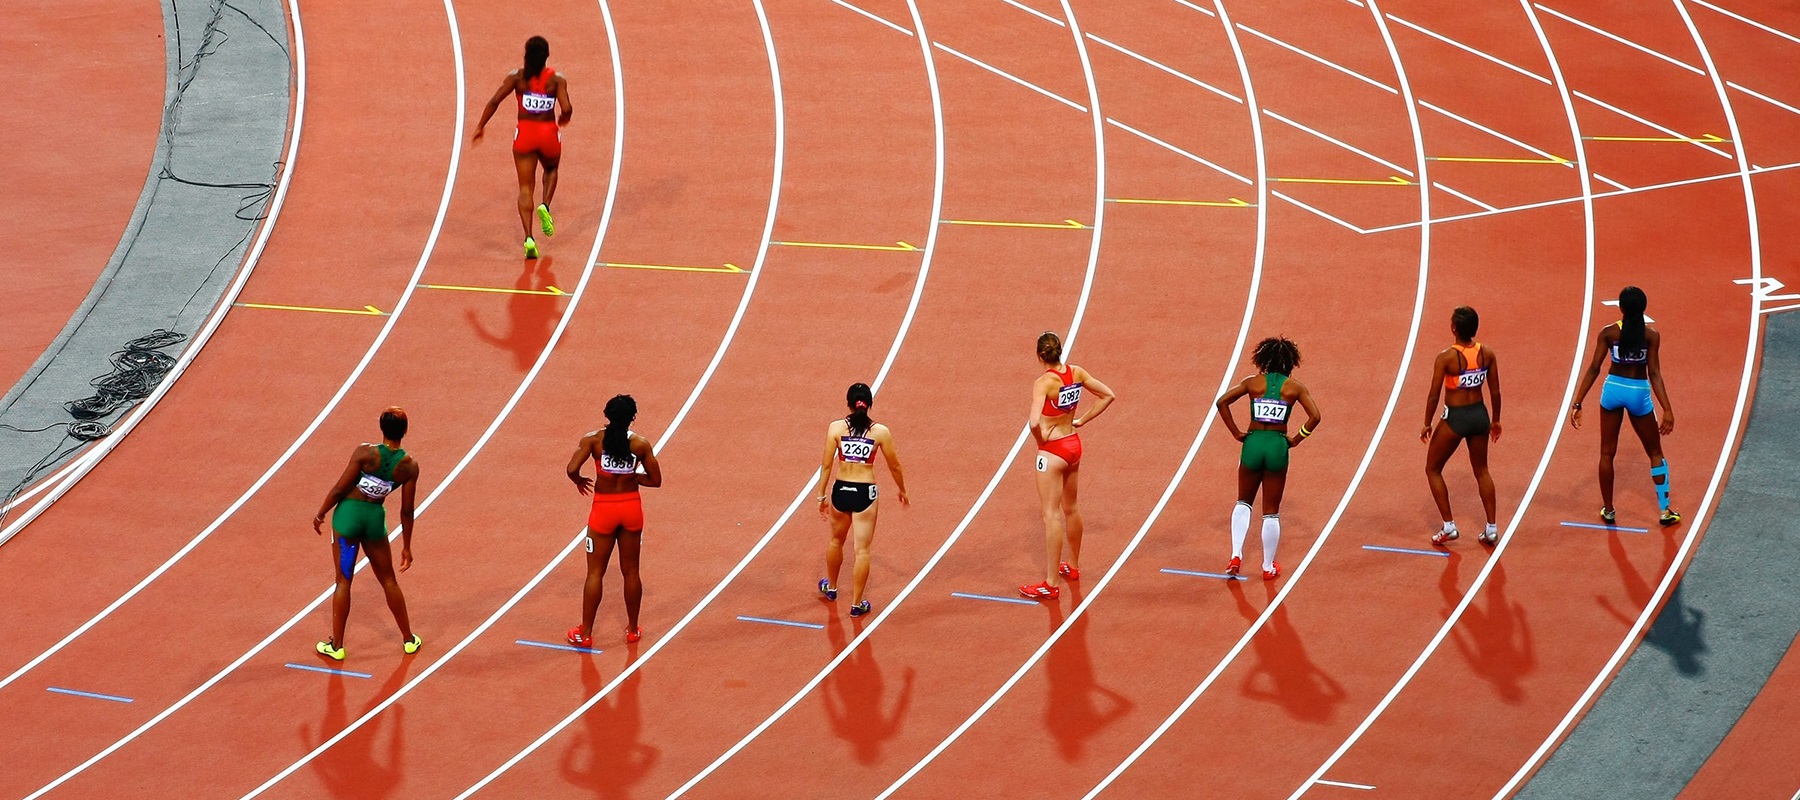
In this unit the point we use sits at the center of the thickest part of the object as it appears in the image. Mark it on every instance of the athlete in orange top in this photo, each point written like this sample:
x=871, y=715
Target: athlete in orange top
x=1054, y=396
x=623, y=462
x=1458, y=375
x=538, y=139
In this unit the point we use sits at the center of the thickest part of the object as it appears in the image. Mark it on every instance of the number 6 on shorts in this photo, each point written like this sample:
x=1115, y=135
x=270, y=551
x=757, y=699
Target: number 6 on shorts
x=1042, y=464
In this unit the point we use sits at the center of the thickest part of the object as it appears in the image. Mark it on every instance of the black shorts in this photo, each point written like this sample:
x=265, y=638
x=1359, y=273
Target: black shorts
x=1467, y=421
x=850, y=497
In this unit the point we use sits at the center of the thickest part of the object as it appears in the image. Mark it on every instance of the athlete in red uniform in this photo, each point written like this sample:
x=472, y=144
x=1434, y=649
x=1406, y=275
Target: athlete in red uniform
x=538, y=139
x=1054, y=397
x=618, y=512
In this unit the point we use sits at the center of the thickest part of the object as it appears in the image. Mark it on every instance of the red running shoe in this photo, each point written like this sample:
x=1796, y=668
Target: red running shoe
x=632, y=635
x=1236, y=567
x=1272, y=574
x=575, y=638
x=1067, y=571
x=1041, y=591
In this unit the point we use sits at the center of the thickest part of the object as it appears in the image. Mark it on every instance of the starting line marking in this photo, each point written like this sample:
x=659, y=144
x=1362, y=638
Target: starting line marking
x=1407, y=550
x=95, y=695
x=548, y=290
x=1363, y=786
x=1015, y=600
x=327, y=670
x=1558, y=160
x=1393, y=180
x=732, y=268
x=1067, y=224
x=789, y=623
x=901, y=247
x=1603, y=527
x=1231, y=203
x=553, y=646
x=1174, y=571
x=365, y=311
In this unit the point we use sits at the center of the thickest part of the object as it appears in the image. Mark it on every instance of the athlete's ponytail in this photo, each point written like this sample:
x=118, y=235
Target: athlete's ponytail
x=1631, y=308
x=616, y=441
x=1049, y=348
x=537, y=54
x=859, y=398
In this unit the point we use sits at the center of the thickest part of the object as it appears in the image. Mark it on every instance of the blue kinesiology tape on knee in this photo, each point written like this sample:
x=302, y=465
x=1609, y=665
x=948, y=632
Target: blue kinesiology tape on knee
x=346, y=557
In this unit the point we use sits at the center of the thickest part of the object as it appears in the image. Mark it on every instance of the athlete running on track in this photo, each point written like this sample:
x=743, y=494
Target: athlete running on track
x=1054, y=397
x=1458, y=375
x=850, y=447
x=617, y=513
x=1635, y=374
x=538, y=139
x=374, y=472
x=1264, y=460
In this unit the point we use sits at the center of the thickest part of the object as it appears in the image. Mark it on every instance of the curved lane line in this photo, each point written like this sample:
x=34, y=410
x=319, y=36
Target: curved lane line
x=1556, y=425
x=1737, y=416
x=1087, y=284
x=1362, y=468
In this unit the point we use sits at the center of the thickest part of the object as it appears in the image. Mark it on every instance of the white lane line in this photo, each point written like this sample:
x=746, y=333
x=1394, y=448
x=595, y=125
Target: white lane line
x=873, y=17
x=1201, y=9
x=1165, y=68
x=1556, y=424
x=1176, y=150
x=1491, y=132
x=1034, y=12
x=1290, y=200
x=1748, y=21
x=1763, y=97
x=1630, y=640
x=1620, y=39
x=1664, y=128
x=1327, y=62
x=1015, y=79
x=1362, y=786
x=1340, y=143
x=1472, y=51
x=1362, y=468
x=1087, y=285
x=928, y=252
x=1462, y=196
x=1262, y=224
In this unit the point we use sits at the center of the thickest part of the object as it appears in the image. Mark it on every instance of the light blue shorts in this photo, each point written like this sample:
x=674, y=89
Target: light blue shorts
x=1631, y=394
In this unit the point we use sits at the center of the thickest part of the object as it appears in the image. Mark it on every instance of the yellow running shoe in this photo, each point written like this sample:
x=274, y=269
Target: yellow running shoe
x=531, y=250
x=413, y=645
x=329, y=649
x=544, y=221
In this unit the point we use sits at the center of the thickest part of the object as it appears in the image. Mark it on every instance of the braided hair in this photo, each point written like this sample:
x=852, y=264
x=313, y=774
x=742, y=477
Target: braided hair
x=1276, y=355
x=537, y=54
x=1631, y=307
x=616, y=440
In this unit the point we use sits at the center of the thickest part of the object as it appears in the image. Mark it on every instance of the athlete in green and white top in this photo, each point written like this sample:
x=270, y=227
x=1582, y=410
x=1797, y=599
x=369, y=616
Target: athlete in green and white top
x=1264, y=460
x=374, y=472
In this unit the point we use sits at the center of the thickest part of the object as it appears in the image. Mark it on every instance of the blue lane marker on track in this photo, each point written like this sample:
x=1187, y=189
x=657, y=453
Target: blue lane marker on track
x=1174, y=571
x=95, y=695
x=327, y=670
x=1602, y=527
x=789, y=623
x=1019, y=600
x=552, y=646
x=1407, y=550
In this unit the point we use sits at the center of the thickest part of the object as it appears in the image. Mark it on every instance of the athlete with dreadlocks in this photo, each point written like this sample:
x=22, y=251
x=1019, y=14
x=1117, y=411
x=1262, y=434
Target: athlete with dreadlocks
x=538, y=139
x=1457, y=377
x=618, y=511
x=357, y=520
x=850, y=447
x=1054, y=396
x=1264, y=461
x=1635, y=374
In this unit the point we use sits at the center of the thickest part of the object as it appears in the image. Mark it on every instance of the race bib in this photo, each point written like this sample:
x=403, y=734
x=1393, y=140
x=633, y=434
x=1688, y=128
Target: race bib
x=618, y=466
x=1269, y=410
x=537, y=103
x=1069, y=397
x=1473, y=379
x=374, y=487
x=1042, y=464
x=856, y=449
x=590, y=544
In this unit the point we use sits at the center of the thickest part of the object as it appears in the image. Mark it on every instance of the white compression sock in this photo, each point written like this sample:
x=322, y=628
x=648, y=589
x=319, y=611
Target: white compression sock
x=1271, y=538
x=1240, y=528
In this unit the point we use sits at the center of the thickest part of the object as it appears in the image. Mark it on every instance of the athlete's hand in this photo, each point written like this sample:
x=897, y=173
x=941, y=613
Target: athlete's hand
x=1668, y=423
x=405, y=558
x=583, y=483
x=905, y=502
x=1425, y=433
x=1575, y=418
x=476, y=139
x=1077, y=422
x=1294, y=441
x=1494, y=432
x=317, y=522
x=824, y=509
x=1239, y=435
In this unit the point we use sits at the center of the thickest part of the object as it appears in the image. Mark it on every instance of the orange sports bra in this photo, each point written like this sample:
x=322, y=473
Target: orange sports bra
x=532, y=99
x=1473, y=376
x=1067, y=397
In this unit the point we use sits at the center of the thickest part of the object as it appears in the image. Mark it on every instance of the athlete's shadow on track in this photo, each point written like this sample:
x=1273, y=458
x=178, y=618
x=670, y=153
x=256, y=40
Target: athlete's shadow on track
x=1676, y=630
x=1283, y=674
x=1496, y=641
x=605, y=756
x=1071, y=712
x=530, y=317
x=350, y=768
x=853, y=695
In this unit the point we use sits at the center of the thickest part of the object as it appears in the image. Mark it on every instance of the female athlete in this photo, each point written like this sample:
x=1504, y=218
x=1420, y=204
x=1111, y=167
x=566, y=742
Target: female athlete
x=1264, y=460
x=1054, y=397
x=374, y=472
x=618, y=511
x=1458, y=375
x=850, y=447
x=538, y=139
x=1636, y=373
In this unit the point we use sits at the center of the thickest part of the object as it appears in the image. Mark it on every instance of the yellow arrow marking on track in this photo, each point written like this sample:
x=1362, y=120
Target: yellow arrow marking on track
x=1393, y=180
x=548, y=290
x=733, y=268
x=1232, y=203
x=1485, y=160
x=365, y=311
x=1067, y=224
x=1705, y=138
x=901, y=247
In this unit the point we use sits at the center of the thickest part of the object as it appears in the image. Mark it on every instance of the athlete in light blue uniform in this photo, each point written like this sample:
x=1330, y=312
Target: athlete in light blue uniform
x=1635, y=374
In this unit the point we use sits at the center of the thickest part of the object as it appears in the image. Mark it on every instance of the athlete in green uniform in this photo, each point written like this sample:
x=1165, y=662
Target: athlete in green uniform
x=374, y=472
x=1264, y=460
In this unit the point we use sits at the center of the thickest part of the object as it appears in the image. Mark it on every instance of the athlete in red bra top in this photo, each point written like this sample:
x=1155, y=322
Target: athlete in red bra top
x=1458, y=374
x=538, y=139
x=1054, y=398
x=617, y=515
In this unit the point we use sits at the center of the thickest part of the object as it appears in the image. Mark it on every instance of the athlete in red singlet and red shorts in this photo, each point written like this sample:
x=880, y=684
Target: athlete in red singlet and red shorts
x=1054, y=397
x=538, y=139
x=617, y=514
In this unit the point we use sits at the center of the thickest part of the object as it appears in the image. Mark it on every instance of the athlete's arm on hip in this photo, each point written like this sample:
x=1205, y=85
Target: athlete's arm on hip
x=1103, y=396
